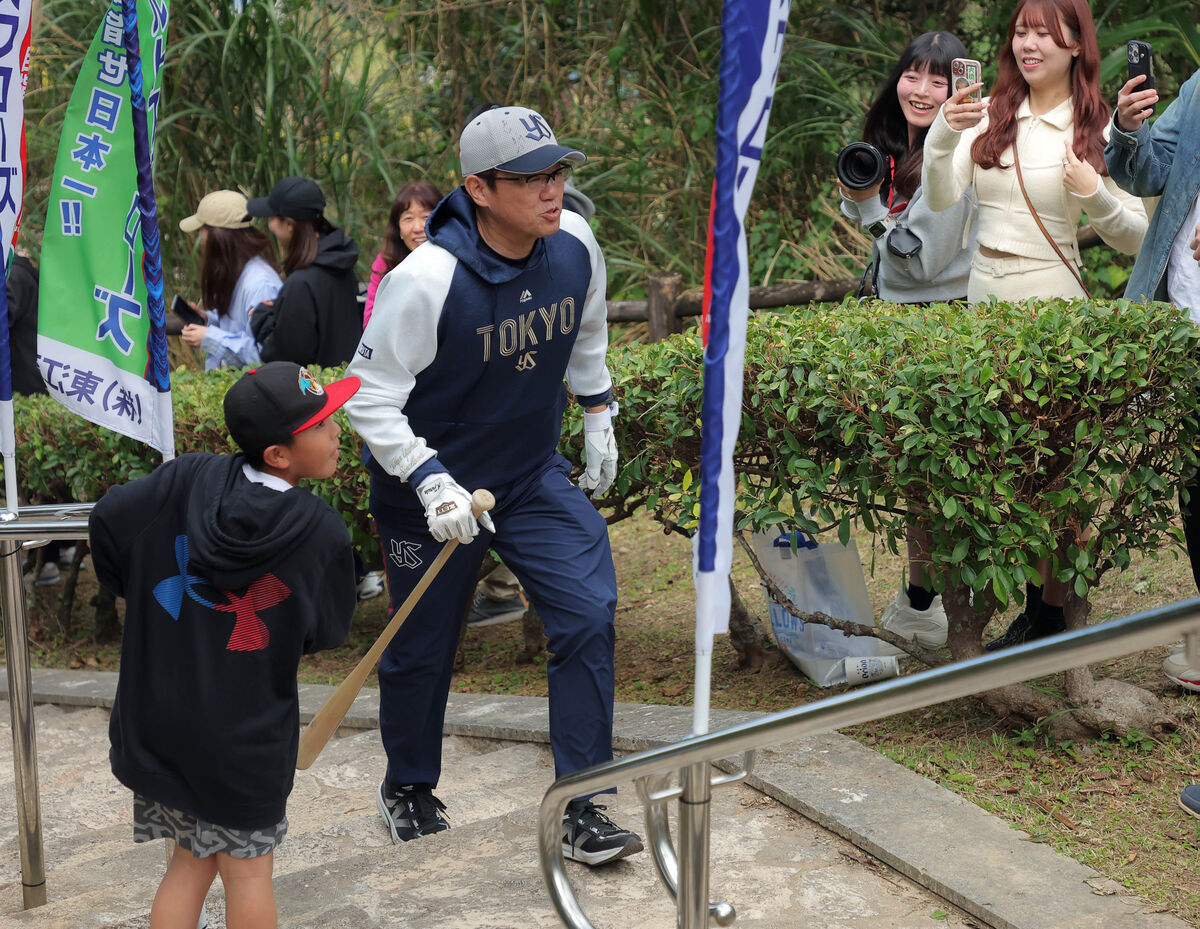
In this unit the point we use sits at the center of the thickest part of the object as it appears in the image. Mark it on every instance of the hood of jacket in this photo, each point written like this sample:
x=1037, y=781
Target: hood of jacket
x=452, y=226
x=239, y=530
x=336, y=251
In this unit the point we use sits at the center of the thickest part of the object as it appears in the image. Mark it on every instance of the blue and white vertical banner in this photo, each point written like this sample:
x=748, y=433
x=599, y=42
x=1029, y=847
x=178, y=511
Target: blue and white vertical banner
x=752, y=44
x=14, y=75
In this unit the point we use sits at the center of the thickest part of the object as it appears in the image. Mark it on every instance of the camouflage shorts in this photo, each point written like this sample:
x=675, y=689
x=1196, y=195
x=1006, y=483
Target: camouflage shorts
x=153, y=820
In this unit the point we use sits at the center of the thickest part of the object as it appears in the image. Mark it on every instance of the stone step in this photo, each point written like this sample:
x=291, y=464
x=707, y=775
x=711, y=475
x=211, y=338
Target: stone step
x=338, y=868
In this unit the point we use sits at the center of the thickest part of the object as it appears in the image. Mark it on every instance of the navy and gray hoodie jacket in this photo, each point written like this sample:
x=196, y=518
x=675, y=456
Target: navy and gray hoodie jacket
x=463, y=361
x=226, y=584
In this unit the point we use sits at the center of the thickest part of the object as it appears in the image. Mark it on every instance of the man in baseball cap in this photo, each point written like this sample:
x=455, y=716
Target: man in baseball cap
x=463, y=365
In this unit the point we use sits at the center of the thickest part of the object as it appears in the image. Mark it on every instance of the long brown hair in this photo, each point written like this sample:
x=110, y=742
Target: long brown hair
x=427, y=195
x=226, y=252
x=1091, y=112
x=302, y=249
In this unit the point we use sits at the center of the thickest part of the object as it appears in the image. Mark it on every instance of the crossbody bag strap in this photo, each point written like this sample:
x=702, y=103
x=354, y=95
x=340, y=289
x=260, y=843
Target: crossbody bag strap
x=1037, y=219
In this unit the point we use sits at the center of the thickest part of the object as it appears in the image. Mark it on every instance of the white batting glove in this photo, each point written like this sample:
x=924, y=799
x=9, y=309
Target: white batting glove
x=599, y=451
x=448, y=509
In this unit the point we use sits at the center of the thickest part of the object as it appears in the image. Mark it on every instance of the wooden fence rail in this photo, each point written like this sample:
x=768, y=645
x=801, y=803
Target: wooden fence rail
x=668, y=303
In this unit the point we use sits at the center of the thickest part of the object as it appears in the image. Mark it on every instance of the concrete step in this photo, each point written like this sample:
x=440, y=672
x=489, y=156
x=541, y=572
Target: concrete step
x=338, y=868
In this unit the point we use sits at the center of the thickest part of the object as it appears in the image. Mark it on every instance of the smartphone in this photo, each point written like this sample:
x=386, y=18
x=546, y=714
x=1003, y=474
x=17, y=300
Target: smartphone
x=1141, y=61
x=963, y=73
x=184, y=311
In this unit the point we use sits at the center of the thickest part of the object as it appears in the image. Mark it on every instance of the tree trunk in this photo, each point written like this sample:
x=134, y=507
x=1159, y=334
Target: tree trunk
x=532, y=634
x=1109, y=705
x=1019, y=703
x=746, y=634
x=106, y=624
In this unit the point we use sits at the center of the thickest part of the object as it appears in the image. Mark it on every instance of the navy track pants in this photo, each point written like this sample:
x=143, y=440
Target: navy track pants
x=550, y=535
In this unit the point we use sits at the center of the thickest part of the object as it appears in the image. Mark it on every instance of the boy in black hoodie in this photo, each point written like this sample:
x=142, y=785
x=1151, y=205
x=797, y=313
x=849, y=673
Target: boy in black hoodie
x=230, y=573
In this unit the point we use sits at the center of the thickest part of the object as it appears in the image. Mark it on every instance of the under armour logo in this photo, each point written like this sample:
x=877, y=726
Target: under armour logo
x=536, y=128
x=527, y=363
x=526, y=296
x=404, y=553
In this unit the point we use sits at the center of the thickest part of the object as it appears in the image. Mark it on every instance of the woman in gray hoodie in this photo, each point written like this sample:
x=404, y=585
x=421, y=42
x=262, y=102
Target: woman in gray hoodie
x=918, y=256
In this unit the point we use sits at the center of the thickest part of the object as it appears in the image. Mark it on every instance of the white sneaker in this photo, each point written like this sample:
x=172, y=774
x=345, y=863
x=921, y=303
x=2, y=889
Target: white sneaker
x=371, y=586
x=925, y=627
x=1175, y=666
x=48, y=576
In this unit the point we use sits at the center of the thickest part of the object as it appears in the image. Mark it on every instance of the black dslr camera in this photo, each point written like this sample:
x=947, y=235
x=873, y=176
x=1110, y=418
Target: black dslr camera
x=860, y=165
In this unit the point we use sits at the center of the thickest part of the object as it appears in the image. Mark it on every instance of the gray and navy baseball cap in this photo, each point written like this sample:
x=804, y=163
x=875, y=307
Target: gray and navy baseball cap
x=511, y=138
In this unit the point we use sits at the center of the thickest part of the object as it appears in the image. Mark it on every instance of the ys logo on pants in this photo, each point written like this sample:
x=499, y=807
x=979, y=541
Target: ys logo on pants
x=404, y=553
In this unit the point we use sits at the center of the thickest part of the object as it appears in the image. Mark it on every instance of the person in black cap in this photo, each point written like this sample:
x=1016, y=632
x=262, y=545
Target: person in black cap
x=463, y=367
x=316, y=318
x=230, y=572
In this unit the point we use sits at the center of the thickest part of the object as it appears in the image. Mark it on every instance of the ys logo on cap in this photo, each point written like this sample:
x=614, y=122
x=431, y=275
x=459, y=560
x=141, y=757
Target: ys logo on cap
x=309, y=384
x=536, y=128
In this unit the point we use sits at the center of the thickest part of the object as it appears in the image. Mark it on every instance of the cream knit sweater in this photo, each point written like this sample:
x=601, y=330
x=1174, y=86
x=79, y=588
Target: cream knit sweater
x=1005, y=223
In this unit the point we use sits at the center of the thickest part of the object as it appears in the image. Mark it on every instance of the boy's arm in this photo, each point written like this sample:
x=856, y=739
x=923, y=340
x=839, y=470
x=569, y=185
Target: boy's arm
x=105, y=551
x=338, y=595
x=121, y=514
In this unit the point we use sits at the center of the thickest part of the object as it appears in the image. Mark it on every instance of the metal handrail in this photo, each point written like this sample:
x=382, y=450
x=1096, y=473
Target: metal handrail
x=1035, y=659
x=37, y=524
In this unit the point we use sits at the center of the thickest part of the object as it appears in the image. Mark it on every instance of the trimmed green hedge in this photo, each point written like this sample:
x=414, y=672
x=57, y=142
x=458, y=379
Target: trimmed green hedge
x=1006, y=430
x=61, y=456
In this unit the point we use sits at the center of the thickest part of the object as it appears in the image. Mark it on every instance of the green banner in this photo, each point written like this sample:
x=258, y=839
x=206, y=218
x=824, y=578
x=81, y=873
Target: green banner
x=92, y=309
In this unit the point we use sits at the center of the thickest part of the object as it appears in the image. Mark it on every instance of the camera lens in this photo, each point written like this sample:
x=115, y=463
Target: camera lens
x=860, y=165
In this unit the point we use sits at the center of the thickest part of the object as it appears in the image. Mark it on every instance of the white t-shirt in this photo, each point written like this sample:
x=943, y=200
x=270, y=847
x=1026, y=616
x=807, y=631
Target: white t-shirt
x=1183, y=270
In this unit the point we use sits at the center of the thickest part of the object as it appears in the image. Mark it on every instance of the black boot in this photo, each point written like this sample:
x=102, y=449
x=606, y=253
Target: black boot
x=1047, y=620
x=1016, y=634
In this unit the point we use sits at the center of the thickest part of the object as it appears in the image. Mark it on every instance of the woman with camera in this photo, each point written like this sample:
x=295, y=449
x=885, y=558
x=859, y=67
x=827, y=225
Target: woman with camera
x=918, y=256
x=1033, y=154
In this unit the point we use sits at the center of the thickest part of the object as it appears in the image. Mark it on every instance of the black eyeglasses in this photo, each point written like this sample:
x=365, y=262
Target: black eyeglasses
x=540, y=181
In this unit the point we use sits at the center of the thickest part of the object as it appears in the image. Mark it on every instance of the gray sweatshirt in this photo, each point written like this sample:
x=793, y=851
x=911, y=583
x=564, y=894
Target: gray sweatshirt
x=937, y=272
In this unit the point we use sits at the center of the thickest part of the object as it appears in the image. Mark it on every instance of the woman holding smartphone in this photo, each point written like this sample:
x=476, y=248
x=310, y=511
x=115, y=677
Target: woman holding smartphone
x=918, y=256
x=1043, y=130
x=237, y=272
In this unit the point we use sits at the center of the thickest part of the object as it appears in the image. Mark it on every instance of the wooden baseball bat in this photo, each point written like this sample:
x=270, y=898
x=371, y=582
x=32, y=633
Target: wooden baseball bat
x=322, y=726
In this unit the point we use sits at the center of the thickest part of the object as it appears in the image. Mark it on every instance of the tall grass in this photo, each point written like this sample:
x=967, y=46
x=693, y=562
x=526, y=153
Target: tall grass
x=363, y=95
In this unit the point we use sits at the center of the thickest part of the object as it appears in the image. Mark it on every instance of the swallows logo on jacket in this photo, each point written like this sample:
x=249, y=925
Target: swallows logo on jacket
x=250, y=633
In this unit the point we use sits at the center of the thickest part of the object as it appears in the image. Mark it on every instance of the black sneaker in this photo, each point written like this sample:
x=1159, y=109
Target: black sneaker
x=410, y=812
x=488, y=612
x=591, y=837
x=1022, y=630
x=1189, y=799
